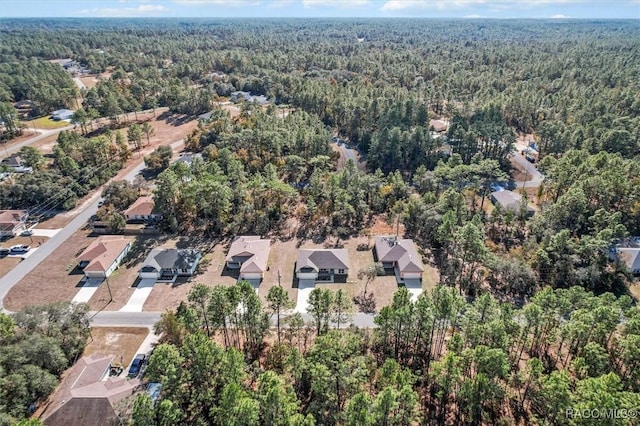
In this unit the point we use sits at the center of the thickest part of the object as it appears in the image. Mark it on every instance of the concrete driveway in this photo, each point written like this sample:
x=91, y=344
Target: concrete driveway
x=87, y=290
x=304, y=290
x=139, y=296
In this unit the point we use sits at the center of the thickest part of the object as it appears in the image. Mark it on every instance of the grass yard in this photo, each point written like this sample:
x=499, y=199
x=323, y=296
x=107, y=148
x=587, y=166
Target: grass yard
x=46, y=123
x=123, y=342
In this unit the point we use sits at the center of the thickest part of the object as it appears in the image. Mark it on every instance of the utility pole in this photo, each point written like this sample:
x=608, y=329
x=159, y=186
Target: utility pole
x=109, y=289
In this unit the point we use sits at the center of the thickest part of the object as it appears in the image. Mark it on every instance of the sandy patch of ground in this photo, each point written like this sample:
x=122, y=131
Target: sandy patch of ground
x=26, y=134
x=89, y=82
x=7, y=264
x=54, y=279
x=123, y=342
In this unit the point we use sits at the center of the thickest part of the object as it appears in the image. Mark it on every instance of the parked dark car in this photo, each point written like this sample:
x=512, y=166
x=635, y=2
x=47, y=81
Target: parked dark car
x=136, y=365
x=4, y=252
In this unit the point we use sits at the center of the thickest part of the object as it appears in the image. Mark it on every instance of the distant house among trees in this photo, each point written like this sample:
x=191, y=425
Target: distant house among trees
x=510, y=200
x=142, y=210
x=62, y=114
x=628, y=252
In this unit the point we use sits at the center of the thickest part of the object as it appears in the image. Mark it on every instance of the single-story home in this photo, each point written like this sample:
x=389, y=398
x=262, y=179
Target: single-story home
x=510, y=200
x=142, y=210
x=249, y=254
x=62, y=114
x=240, y=96
x=327, y=265
x=12, y=222
x=103, y=256
x=438, y=125
x=167, y=264
x=631, y=257
x=85, y=397
x=188, y=158
x=16, y=162
x=400, y=255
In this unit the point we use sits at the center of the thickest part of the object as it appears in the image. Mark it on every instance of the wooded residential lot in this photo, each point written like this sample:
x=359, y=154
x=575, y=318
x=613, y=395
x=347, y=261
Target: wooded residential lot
x=507, y=151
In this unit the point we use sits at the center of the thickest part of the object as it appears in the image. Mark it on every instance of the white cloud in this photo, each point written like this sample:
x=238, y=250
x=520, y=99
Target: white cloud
x=458, y=4
x=234, y=3
x=474, y=16
x=559, y=16
x=343, y=4
x=126, y=12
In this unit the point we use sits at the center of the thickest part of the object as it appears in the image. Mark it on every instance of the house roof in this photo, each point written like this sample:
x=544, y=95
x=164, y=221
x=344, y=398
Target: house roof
x=631, y=257
x=438, y=125
x=317, y=259
x=400, y=251
x=84, y=398
x=252, y=251
x=102, y=253
x=509, y=200
x=9, y=219
x=160, y=258
x=143, y=206
x=14, y=160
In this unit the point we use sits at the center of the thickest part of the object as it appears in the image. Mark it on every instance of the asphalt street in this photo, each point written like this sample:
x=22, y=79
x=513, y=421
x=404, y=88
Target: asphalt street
x=533, y=177
x=6, y=152
x=84, y=213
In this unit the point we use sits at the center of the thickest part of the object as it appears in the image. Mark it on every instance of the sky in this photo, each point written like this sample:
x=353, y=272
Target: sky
x=495, y=9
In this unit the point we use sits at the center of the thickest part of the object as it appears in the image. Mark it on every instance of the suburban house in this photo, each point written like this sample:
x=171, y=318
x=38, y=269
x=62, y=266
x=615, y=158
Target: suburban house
x=17, y=164
x=510, y=200
x=168, y=264
x=628, y=252
x=142, y=211
x=103, y=256
x=240, y=96
x=249, y=254
x=401, y=256
x=188, y=158
x=12, y=222
x=62, y=114
x=438, y=125
x=327, y=265
x=87, y=396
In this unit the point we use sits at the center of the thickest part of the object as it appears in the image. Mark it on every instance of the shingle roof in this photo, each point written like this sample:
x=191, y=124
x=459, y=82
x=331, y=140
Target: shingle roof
x=84, y=398
x=509, y=200
x=631, y=257
x=400, y=251
x=252, y=251
x=317, y=259
x=143, y=206
x=160, y=258
x=102, y=253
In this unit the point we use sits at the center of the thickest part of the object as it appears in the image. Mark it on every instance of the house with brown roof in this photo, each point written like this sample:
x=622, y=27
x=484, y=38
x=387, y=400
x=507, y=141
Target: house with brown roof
x=326, y=265
x=85, y=397
x=249, y=254
x=12, y=222
x=103, y=256
x=142, y=210
x=400, y=255
x=438, y=125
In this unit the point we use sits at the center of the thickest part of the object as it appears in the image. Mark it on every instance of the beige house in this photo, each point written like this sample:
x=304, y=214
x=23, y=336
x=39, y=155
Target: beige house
x=250, y=255
x=142, y=210
x=87, y=395
x=401, y=256
x=12, y=222
x=103, y=256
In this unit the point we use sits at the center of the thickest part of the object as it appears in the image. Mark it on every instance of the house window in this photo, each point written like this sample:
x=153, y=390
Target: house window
x=341, y=271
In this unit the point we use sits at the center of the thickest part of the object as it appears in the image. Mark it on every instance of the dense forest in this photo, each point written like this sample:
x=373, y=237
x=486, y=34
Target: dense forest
x=436, y=360
x=36, y=346
x=532, y=316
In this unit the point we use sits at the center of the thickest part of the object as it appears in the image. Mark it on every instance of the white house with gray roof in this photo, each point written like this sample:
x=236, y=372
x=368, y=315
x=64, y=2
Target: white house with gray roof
x=168, y=264
x=325, y=265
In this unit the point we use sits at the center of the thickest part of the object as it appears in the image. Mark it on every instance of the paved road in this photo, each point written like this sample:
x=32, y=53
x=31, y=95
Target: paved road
x=148, y=319
x=533, y=177
x=84, y=212
x=6, y=152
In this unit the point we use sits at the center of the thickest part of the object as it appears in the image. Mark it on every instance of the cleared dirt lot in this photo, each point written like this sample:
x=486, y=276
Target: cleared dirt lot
x=9, y=262
x=123, y=342
x=54, y=279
